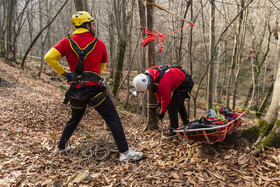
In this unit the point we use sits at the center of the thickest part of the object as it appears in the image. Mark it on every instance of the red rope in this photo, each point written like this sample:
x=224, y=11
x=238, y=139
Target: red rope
x=155, y=36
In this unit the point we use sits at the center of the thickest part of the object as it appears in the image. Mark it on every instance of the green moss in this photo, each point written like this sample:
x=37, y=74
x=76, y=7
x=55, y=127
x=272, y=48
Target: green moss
x=264, y=128
x=251, y=134
x=272, y=140
x=62, y=88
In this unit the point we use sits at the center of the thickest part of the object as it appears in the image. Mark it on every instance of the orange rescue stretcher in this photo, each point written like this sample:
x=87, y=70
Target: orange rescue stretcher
x=214, y=127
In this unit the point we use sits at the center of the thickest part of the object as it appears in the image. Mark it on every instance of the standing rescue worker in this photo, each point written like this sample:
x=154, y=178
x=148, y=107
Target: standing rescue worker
x=171, y=86
x=87, y=57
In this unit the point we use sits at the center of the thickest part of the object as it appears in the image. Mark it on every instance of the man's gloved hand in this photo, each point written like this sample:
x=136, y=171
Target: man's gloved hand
x=68, y=76
x=160, y=115
x=159, y=105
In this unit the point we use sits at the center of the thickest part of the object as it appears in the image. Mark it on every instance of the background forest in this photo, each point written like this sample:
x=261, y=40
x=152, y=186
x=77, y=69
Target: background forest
x=230, y=47
x=240, y=29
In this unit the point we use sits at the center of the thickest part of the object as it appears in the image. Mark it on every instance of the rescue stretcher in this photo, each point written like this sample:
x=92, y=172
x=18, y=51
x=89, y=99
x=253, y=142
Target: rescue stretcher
x=214, y=127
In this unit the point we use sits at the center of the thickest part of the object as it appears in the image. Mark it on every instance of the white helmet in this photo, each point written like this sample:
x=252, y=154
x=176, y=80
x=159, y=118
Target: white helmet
x=142, y=82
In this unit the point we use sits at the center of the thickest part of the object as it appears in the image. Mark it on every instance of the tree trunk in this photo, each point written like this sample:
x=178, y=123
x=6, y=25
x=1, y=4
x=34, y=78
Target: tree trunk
x=240, y=48
x=112, y=44
x=272, y=140
x=142, y=16
x=3, y=10
x=119, y=67
x=265, y=101
x=152, y=122
x=267, y=133
x=272, y=112
x=11, y=9
x=80, y=5
x=120, y=16
x=41, y=38
x=233, y=62
x=182, y=34
x=212, y=50
x=190, y=46
x=217, y=72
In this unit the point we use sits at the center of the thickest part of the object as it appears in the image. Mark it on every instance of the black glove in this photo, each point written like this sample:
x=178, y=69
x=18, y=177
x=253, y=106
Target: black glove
x=159, y=105
x=160, y=115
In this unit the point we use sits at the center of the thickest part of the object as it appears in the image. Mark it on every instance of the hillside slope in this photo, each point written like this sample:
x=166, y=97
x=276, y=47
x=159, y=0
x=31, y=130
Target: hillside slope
x=32, y=119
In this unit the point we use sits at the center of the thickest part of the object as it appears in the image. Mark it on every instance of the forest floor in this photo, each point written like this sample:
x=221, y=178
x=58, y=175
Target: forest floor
x=33, y=117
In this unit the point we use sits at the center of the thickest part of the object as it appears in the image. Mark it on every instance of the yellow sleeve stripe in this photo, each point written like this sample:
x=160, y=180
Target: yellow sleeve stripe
x=52, y=58
x=102, y=67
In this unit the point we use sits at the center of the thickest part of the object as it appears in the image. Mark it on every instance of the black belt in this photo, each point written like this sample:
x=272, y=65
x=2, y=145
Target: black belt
x=88, y=76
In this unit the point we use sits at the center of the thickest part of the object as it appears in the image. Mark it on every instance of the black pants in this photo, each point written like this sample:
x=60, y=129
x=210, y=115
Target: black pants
x=177, y=106
x=108, y=112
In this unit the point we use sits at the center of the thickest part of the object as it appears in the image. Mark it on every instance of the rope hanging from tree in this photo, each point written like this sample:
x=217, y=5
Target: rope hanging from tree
x=158, y=36
x=155, y=36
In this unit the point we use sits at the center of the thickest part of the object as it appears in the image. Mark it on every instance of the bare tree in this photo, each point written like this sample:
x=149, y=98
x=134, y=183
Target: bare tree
x=142, y=16
x=40, y=32
x=152, y=122
x=267, y=132
x=121, y=25
x=10, y=29
x=212, y=52
x=80, y=5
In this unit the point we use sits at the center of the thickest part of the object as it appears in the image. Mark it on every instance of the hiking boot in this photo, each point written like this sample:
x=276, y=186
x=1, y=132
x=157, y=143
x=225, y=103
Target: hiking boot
x=131, y=155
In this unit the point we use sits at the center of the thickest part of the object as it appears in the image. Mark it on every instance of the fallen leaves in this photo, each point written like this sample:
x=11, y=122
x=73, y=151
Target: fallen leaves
x=32, y=120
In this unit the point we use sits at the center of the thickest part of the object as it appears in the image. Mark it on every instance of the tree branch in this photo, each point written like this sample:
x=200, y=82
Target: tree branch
x=37, y=36
x=212, y=55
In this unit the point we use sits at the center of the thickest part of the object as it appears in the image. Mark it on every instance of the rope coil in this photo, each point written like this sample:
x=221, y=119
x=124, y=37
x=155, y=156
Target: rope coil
x=96, y=150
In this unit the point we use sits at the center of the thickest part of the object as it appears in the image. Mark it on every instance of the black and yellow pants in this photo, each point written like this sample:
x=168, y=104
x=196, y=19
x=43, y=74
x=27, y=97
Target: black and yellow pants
x=81, y=98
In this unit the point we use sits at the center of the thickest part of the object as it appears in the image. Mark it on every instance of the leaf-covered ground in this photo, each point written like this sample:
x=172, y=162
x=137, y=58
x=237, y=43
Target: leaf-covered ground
x=32, y=119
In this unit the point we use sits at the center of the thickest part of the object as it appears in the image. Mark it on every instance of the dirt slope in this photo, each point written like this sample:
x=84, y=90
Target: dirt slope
x=32, y=117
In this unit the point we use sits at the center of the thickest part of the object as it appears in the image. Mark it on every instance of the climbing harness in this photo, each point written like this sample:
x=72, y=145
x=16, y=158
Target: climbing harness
x=78, y=75
x=162, y=70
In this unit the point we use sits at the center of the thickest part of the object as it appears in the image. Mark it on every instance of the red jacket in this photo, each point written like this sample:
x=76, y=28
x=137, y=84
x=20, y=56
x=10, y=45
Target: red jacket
x=95, y=61
x=171, y=80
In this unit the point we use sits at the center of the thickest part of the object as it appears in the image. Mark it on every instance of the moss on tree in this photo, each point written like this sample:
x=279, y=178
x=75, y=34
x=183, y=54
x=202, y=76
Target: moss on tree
x=251, y=134
x=262, y=129
x=272, y=140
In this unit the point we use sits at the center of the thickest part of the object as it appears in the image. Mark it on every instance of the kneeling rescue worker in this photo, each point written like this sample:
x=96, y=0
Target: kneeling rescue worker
x=171, y=86
x=87, y=57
